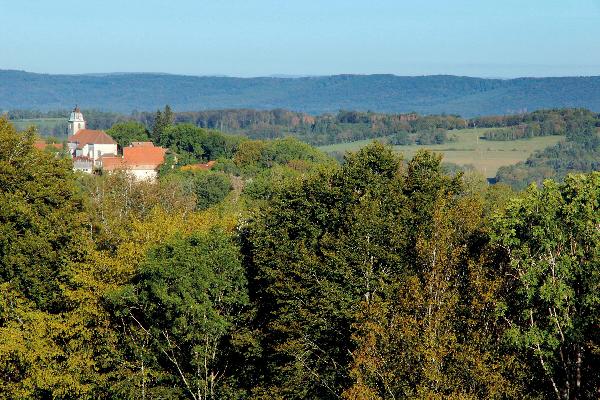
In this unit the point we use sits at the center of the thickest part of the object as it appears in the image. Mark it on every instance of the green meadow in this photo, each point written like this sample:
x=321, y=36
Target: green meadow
x=468, y=148
x=44, y=125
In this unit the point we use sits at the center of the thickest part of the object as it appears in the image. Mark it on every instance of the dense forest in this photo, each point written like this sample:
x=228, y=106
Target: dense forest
x=345, y=126
x=283, y=274
x=434, y=94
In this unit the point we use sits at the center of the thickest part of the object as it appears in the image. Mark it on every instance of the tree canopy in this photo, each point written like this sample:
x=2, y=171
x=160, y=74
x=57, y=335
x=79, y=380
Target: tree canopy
x=278, y=273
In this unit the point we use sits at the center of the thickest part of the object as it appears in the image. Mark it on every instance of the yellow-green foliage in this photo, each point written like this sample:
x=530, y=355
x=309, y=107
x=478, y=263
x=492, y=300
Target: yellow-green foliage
x=371, y=279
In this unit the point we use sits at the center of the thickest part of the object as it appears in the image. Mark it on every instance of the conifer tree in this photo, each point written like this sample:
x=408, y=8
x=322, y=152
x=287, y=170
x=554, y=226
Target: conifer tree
x=162, y=120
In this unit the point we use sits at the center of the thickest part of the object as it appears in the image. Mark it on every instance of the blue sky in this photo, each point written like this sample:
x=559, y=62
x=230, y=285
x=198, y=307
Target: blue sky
x=489, y=38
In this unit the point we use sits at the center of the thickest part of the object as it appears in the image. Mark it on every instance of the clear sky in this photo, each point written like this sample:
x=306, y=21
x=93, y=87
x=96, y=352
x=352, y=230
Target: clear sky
x=489, y=38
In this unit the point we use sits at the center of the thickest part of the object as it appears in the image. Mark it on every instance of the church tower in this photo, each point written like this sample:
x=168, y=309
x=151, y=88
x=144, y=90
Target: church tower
x=76, y=121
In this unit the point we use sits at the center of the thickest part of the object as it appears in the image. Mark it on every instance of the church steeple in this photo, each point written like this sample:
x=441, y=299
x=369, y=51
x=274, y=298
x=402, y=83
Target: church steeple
x=76, y=121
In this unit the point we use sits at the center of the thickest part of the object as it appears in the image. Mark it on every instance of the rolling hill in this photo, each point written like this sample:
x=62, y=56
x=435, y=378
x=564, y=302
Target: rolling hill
x=384, y=93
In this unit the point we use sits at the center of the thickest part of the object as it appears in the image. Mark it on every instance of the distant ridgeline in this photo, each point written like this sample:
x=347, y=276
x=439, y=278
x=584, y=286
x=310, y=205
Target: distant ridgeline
x=435, y=94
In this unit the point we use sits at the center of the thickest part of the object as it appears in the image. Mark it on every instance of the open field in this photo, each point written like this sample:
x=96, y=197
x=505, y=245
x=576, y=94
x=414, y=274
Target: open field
x=43, y=124
x=25, y=123
x=486, y=156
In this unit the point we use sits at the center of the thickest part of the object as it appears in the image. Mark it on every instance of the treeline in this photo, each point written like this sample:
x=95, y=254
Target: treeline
x=345, y=126
x=580, y=152
x=513, y=133
x=189, y=144
x=300, y=278
x=401, y=129
x=564, y=122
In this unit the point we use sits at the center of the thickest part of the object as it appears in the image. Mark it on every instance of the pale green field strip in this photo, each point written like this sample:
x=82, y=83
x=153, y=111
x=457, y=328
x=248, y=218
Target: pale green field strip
x=26, y=123
x=485, y=155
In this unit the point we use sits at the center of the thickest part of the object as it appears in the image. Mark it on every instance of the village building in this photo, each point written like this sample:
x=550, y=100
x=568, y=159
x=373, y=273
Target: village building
x=83, y=164
x=141, y=160
x=95, y=150
x=92, y=144
x=75, y=122
x=88, y=143
x=43, y=145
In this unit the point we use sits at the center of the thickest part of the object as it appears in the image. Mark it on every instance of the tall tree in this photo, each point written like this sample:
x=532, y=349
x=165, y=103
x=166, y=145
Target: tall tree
x=126, y=132
x=432, y=333
x=55, y=341
x=551, y=238
x=180, y=306
x=42, y=227
x=162, y=120
x=325, y=244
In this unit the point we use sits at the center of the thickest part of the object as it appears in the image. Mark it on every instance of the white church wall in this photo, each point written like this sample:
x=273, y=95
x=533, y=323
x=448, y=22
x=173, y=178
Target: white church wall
x=76, y=122
x=104, y=149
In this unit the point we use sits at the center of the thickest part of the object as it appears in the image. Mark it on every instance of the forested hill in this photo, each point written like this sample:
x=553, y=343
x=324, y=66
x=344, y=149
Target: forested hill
x=384, y=93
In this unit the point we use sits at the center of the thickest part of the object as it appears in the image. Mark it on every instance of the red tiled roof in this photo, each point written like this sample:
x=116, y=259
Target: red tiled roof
x=41, y=145
x=111, y=163
x=137, y=157
x=144, y=157
x=89, y=136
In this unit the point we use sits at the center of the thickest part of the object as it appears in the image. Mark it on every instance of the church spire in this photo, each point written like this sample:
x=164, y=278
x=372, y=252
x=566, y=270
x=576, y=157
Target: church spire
x=76, y=121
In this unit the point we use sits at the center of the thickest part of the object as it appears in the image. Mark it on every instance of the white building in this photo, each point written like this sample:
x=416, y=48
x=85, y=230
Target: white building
x=76, y=121
x=83, y=164
x=88, y=143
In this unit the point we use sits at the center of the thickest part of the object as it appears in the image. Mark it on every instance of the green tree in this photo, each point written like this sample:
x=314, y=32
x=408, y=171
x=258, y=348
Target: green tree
x=432, y=333
x=210, y=189
x=193, y=144
x=322, y=245
x=180, y=307
x=162, y=120
x=551, y=239
x=126, y=132
x=55, y=339
x=42, y=227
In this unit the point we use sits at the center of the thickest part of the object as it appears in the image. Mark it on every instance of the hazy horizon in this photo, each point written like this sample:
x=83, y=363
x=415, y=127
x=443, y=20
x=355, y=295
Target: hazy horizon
x=296, y=76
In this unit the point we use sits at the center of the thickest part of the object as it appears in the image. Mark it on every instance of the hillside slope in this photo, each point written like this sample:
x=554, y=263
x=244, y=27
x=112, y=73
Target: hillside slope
x=385, y=93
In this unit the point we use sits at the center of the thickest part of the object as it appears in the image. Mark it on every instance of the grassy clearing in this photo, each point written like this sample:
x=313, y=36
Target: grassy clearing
x=40, y=123
x=24, y=123
x=486, y=156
